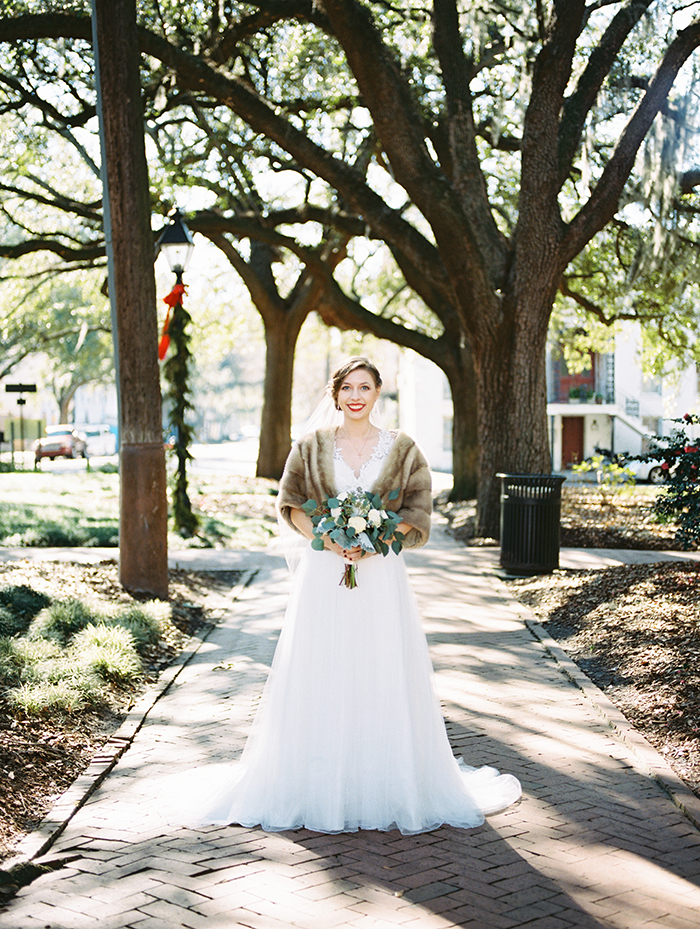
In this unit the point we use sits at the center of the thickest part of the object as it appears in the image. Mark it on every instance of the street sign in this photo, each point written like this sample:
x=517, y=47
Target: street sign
x=20, y=388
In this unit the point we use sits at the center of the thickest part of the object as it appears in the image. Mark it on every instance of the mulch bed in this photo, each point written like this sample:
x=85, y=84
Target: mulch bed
x=591, y=518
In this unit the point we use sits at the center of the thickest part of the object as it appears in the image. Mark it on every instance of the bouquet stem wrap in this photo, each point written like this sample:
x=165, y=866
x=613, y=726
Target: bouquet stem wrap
x=349, y=577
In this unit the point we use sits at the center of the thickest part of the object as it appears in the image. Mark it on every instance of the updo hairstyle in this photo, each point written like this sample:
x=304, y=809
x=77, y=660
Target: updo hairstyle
x=352, y=364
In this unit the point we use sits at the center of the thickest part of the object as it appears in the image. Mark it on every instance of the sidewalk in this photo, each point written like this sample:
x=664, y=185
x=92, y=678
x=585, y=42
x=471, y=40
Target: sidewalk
x=595, y=843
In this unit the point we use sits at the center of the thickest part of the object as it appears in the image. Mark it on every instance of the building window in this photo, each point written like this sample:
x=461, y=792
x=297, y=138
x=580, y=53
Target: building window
x=447, y=433
x=651, y=384
x=653, y=425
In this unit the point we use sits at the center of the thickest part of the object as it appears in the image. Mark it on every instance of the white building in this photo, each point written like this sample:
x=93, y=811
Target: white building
x=613, y=406
x=425, y=408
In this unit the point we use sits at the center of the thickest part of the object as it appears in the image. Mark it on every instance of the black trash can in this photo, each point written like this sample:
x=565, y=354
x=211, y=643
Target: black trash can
x=530, y=522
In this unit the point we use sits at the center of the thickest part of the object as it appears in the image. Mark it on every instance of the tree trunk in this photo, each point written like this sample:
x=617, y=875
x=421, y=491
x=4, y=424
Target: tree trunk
x=143, y=551
x=464, y=427
x=64, y=402
x=276, y=420
x=512, y=409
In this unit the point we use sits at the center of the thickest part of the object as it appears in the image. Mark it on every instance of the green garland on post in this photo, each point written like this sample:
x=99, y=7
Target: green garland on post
x=176, y=373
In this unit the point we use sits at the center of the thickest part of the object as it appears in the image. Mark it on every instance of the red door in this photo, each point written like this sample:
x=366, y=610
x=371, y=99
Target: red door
x=571, y=440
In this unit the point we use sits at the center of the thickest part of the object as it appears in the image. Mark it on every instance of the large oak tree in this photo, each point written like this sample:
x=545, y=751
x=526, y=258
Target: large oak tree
x=450, y=96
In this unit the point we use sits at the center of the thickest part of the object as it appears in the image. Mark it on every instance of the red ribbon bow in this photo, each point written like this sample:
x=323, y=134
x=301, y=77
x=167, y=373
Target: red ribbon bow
x=173, y=298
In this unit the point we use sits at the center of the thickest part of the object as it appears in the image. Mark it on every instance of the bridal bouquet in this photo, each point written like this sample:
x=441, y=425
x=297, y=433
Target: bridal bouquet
x=355, y=518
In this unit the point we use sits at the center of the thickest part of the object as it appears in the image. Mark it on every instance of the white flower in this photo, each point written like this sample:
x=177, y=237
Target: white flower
x=342, y=496
x=358, y=523
x=336, y=512
x=374, y=518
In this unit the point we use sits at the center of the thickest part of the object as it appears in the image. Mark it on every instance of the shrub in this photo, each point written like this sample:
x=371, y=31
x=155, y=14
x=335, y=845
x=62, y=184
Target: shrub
x=680, y=497
x=611, y=474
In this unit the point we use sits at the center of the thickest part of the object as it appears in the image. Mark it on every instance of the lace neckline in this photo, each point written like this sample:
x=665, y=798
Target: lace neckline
x=384, y=441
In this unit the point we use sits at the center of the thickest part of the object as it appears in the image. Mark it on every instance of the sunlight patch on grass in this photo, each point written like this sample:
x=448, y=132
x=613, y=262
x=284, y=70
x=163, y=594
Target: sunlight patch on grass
x=47, y=510
x=82, y=510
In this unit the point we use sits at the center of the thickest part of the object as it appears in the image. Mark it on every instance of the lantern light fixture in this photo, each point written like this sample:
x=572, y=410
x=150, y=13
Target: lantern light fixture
x=176, y=242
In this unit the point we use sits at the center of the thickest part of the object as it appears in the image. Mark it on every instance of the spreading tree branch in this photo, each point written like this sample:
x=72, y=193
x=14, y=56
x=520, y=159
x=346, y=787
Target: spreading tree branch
x=600, y=61
x=603, y=202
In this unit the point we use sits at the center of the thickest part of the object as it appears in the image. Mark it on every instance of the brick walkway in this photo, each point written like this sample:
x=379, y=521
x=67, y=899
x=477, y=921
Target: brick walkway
x=595, y=841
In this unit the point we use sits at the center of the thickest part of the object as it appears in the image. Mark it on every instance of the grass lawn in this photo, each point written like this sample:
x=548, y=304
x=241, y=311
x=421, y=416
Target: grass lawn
x=82, y=509
x=44, y=509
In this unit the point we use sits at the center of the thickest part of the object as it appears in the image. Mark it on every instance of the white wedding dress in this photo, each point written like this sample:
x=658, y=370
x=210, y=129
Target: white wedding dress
x=349, y=734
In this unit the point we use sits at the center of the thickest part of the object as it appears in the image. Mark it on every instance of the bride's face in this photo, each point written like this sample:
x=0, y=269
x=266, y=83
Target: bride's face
x=357, y=395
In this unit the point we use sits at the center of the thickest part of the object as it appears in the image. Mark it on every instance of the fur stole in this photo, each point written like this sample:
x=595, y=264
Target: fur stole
x=309, y=475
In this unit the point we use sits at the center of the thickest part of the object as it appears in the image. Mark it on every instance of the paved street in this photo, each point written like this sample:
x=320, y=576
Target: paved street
x=596, y=840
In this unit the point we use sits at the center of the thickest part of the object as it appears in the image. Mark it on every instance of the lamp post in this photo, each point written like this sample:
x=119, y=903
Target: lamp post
x=176, y=242
x=20, y=389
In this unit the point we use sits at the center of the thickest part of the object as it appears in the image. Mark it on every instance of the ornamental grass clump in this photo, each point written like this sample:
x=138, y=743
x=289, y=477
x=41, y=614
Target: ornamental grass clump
x=23, y=660
x=63, y=618
x=679, y=499
x=14, y=658
x=41, y=678
x=108, y=652
x=19, y=604
x=75, y=654
x=45, y=698
x=10, y=624
x=145, y=623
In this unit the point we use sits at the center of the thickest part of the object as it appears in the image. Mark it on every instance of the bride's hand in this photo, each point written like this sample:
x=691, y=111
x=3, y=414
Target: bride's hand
x=351, y=554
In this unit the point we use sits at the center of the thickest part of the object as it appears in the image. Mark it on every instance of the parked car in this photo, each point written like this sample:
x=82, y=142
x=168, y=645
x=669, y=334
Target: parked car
x=650, y=470
x=100, y=438
x=647, y=470
x=60, y=442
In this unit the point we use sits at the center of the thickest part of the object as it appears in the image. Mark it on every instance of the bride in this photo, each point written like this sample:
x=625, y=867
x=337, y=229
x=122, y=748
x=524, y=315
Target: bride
x=349, y=734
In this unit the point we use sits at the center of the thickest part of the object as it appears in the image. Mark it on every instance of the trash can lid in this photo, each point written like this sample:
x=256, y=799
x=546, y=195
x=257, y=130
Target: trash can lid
x=546, y=480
